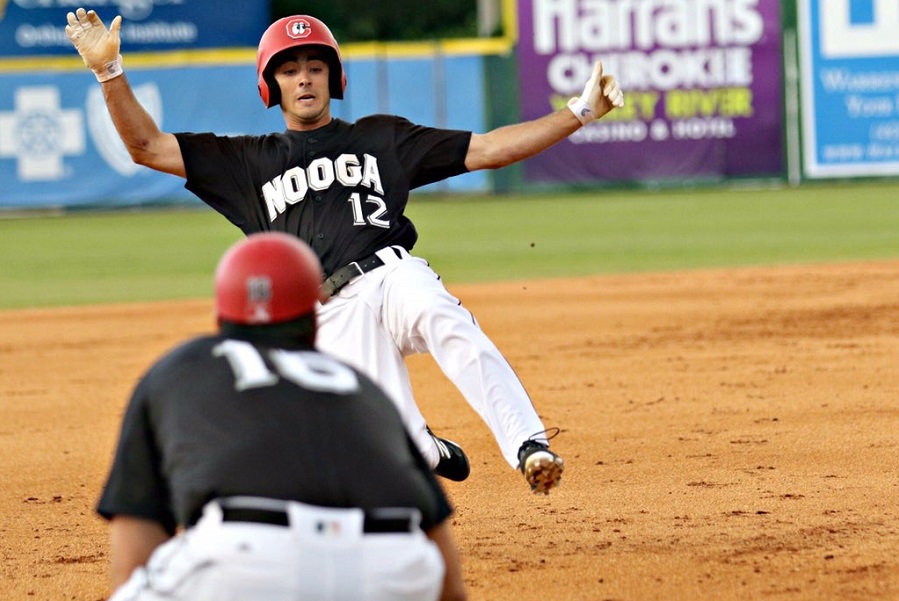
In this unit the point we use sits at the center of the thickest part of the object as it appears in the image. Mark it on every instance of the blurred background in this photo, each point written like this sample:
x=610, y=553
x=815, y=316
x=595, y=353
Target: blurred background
x=396, y=20
x=771, y=91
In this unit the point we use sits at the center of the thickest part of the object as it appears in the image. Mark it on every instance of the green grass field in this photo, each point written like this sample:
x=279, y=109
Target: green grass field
x=87, y=258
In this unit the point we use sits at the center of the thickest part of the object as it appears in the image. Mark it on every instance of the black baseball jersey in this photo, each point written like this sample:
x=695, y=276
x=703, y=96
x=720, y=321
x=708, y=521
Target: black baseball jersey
x=219, y=417
x=342, y=188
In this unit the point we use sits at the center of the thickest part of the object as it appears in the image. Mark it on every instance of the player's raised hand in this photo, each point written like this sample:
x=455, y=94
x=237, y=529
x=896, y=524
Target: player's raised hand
x=98, y=47
x=601, y=94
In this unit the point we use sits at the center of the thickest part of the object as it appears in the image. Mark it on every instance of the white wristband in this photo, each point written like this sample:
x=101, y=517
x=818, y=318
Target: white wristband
x=581, y=110
x=110, y=70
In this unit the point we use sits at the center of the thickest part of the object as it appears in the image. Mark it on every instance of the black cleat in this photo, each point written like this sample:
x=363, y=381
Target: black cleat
x=453, y=462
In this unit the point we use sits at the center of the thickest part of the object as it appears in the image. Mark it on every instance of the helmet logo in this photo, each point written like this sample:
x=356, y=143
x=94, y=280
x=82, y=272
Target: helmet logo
x=259, y=296
x=299, y=29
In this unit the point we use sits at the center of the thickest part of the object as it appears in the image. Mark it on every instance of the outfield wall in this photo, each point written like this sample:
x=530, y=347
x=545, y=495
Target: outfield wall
x=717, y=91
x=58, y=147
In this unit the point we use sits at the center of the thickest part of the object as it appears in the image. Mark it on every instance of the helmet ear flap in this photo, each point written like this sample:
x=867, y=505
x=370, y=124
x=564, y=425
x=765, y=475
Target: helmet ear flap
x=337, y=76
x=269, y=91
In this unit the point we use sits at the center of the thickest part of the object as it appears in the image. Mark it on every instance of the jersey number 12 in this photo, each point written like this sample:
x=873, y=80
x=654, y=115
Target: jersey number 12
x=374, y=218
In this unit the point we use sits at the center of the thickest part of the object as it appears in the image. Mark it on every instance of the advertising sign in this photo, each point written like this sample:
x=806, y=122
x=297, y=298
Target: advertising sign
x=702, y=82
x=37, y=27
x=850, y=87
x=59, y=148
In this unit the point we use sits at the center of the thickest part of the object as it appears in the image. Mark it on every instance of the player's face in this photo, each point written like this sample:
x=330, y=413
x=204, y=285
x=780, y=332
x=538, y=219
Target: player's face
x=305, y=95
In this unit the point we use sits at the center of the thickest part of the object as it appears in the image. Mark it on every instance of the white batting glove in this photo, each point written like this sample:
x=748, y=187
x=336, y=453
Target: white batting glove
x=98, y=47
x=601, y=94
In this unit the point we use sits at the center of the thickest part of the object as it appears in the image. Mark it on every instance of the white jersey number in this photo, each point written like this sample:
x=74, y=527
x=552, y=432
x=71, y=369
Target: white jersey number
x=374, y=218
x=307, y=369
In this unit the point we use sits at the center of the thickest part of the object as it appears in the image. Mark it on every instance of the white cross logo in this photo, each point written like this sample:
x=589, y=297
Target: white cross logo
x=39, y=133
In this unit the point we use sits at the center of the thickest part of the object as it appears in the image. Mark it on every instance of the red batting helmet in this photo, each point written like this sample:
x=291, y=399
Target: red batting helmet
x=290, y=32
x=267, y=278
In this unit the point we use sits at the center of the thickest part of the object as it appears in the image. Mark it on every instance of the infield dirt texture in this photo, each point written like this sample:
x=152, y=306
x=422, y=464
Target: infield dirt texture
x=729, y=435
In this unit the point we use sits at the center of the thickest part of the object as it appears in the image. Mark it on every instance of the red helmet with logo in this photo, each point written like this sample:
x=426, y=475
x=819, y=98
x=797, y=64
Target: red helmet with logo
x=267, y=278
x=290, y=32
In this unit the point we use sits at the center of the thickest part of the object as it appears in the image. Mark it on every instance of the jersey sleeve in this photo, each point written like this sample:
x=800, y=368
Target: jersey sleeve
x=220, y=172
x=135, y=485
x=412, y=482
x=430, y=154
x=442, y=507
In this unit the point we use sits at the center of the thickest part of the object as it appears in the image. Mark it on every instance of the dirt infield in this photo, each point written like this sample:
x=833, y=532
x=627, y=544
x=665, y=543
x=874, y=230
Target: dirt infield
x=728, y=435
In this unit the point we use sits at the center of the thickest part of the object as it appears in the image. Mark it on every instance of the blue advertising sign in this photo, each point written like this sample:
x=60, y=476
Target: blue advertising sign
x=37, y=27
x=850, y=87
x=59, y=148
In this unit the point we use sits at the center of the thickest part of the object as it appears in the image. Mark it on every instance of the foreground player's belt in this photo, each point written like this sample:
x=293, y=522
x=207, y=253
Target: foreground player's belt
x=377, y=521
x=342, y=276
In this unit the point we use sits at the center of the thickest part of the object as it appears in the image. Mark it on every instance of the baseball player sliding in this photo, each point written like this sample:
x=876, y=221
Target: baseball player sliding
x=247, y=468
x=343, y=187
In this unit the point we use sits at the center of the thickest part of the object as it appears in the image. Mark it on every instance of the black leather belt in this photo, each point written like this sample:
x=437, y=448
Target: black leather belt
x=342, y=276
x=376, y=521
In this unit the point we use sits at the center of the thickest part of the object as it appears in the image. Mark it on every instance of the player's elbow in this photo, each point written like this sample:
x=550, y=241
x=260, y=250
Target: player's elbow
x=485, y=151
x=483, y=158
x=140, y=155
x=484, y=163
x=160, y=155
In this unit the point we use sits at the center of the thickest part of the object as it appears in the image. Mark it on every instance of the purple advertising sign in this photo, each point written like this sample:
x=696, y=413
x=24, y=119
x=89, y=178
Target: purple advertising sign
x=702, y=82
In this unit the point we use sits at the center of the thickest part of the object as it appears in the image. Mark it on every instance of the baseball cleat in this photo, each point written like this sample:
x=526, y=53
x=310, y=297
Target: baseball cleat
x=541, y=467
x=453, y=463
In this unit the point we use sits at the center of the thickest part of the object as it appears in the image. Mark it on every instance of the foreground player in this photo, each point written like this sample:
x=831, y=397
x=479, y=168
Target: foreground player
x=342, y=187
x=263, y=450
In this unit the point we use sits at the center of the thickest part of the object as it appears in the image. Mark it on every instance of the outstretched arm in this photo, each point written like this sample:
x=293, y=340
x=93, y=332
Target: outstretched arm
x=512, y=143
x=99, y=48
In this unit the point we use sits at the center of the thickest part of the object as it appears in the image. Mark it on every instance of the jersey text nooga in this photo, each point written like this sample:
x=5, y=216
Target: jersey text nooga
x=291, y=187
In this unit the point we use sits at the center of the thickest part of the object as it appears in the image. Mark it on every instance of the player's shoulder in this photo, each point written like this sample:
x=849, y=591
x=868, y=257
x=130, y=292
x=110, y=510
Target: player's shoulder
x=382, y=118
x=204, y=143
x=187, y=350
x=381, y=121
x=179, y=362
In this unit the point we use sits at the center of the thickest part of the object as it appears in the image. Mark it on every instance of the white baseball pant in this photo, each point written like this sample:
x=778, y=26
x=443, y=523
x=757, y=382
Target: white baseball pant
x=402, y=309
x=323, y=555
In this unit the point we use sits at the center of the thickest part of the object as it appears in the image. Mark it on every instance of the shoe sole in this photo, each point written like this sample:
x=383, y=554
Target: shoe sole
x=543, y=471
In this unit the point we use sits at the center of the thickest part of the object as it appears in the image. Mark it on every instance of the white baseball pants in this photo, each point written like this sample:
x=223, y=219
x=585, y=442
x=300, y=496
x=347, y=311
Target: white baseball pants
x=323, y=555
x=403, y=308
